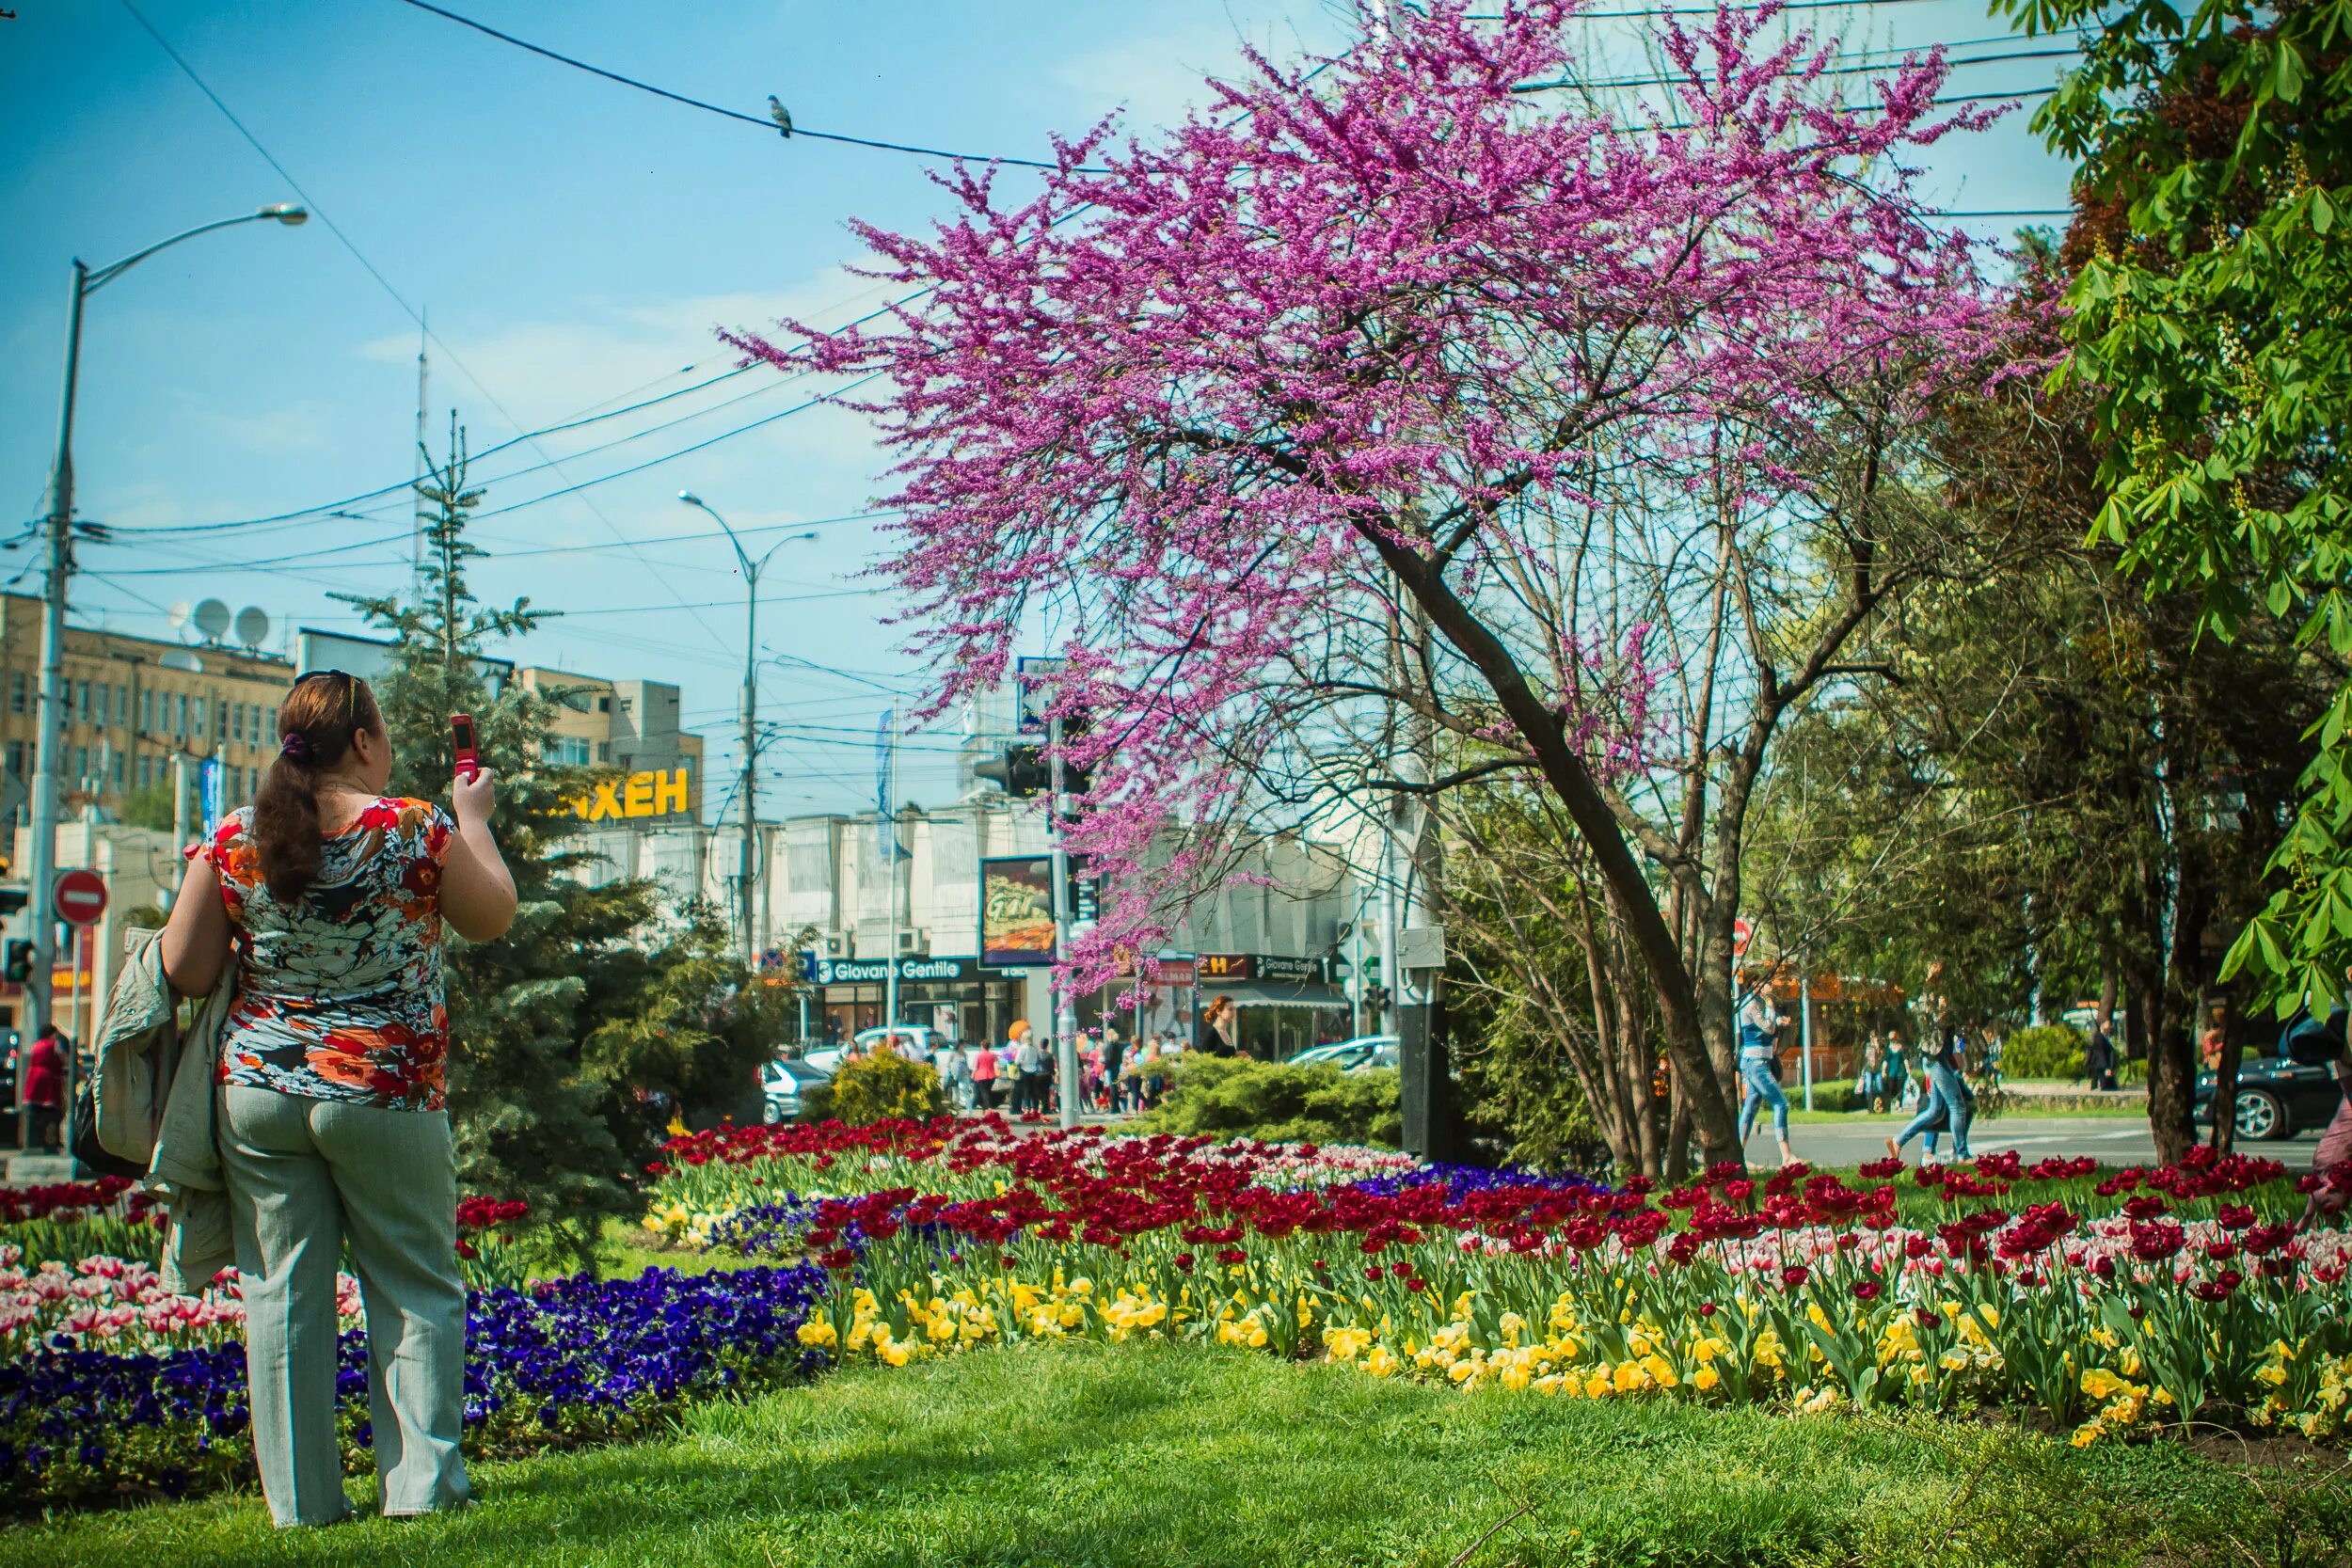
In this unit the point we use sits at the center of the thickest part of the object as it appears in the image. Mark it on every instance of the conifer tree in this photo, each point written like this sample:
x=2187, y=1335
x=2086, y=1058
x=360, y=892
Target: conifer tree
x=531, y=1123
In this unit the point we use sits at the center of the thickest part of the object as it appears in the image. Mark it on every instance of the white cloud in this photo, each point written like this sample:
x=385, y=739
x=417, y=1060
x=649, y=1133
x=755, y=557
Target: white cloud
x=306, y=426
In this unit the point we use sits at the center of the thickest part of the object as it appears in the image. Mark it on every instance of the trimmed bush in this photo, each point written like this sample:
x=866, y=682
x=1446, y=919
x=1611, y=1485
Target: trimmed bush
x=1237, y=1097
x=2045, y=1051
x=876, y=1089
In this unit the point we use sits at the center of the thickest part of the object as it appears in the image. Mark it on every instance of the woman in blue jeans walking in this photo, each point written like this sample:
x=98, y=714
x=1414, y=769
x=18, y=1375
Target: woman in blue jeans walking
x=1940, y=1047
x=1759, y=1050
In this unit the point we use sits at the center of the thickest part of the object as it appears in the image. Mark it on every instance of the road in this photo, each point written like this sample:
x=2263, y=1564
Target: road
x=2112, y=1140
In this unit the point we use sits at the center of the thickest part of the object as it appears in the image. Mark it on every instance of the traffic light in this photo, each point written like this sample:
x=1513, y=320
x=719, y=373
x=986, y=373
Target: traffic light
x=14, y=899
x=1021, y=772
x=19, y=965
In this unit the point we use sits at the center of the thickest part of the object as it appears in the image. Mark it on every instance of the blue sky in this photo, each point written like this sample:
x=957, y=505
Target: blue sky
x=574, y=245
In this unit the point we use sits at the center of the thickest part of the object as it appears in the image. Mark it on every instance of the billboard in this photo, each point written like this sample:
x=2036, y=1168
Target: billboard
x=1016, y=910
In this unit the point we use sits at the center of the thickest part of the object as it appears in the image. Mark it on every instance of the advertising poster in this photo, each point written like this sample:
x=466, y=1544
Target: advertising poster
x=1016, y=910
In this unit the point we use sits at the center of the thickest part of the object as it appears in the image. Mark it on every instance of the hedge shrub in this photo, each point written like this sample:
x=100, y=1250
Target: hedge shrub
x=2045, y=1051
x=876, y=1089
x=1237, y=1097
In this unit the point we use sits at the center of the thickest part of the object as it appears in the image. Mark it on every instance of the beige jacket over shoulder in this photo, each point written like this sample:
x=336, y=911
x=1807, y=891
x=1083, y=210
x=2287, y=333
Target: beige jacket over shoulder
x=156, y=1100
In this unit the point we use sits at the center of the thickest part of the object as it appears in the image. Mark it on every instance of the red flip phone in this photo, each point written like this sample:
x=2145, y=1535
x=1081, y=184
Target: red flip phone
x=469, y=759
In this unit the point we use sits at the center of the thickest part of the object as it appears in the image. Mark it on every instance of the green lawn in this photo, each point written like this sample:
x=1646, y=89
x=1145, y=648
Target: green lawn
x=1161, y=1455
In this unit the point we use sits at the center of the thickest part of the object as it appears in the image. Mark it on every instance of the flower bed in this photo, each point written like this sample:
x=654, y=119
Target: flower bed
x=559, y=1364
x=2107, y=1302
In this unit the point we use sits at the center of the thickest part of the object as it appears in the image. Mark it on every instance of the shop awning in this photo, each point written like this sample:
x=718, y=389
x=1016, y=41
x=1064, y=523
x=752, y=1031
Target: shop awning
x=1259, y=994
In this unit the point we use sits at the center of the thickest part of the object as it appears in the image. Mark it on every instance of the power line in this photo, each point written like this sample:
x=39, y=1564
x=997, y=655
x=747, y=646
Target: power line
x=189, y=72
x=682, y=451
x=766, y=123
x=1806, y=74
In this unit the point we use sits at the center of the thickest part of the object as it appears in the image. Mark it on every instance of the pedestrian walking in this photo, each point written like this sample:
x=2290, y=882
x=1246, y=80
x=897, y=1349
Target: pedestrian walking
x=1869, y=1085
x=984, y=1075
x=1760, y=1025
x=1028, y=1067
x=1941, y=1054
x=42, y=1092
x=1114, y=1066
x=1218, y=1021
x=2099, y=1055
x=329, y=898
x=1897, y=1070
x=2332, y=1161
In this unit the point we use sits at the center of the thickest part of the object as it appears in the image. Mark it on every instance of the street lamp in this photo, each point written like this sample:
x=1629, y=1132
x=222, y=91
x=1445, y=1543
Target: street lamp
x=42, y=863
x=745, y=870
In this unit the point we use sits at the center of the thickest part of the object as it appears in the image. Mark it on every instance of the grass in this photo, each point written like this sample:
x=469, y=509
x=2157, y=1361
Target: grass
x=1156, y=1454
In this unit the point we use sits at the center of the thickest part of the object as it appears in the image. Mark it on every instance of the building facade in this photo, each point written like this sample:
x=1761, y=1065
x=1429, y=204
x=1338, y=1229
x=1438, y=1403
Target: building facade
x=134, y=706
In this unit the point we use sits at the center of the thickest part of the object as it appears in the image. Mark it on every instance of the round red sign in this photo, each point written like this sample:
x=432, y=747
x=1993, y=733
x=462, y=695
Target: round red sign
x=1741, y=934
x=81, y=896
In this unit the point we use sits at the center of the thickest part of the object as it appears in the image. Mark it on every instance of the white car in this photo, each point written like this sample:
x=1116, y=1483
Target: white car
x=916, y=1043
x=781, y=1085
x=1347, y=1055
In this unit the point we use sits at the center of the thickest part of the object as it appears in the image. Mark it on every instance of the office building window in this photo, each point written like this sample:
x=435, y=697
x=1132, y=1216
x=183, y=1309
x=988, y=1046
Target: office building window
x=568, y=751
x=123, y=772
x=604, y=750
x=19, y=692
x=16, y=758
x=77, y=700
x=181, y=729
x=104, y=696
x=122, y=703
x=81, y=764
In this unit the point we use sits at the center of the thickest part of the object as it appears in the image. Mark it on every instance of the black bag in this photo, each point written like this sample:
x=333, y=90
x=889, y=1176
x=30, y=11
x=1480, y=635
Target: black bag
x=82, y=1141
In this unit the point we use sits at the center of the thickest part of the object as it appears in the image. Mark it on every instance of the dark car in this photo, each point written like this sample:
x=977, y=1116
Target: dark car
x=2296, y=1088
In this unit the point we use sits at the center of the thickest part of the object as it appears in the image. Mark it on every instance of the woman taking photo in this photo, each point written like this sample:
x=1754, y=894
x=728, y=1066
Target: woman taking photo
x=330, y=898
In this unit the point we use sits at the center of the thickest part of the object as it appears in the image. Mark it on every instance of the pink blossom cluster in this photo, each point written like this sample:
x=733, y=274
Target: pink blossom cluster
x=1380, y=321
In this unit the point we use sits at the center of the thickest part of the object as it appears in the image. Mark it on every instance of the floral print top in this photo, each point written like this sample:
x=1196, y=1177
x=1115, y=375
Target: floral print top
x=339, y=996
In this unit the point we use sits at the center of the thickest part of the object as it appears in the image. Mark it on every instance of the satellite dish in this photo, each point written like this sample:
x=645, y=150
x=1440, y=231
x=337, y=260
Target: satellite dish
x=179, y=615
x=212, y=619
x=179, y=658
x=252, y=626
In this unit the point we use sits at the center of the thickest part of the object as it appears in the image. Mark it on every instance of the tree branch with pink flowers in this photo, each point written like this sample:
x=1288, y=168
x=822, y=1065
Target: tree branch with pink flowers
x=1383, y=343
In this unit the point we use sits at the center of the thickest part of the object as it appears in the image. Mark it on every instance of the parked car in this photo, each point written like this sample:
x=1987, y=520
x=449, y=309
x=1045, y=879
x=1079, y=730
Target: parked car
x=2295, y=1088
x=781, y=1085
x=1387, y=1053
x=1343, y=1054
x=916, y=1042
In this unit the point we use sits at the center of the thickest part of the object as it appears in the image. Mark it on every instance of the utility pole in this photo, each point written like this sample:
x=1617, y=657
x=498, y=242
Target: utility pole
x=41, y=873
x=1065, y=1013
x=747, y=866
x=416, y=542
x=887, y=836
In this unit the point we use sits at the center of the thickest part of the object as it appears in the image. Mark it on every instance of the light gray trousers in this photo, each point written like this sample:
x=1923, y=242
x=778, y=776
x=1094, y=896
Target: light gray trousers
x=305, y=1175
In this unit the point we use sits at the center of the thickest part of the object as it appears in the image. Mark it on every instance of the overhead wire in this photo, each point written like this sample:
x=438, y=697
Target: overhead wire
x=768, y=123
x=414, y=314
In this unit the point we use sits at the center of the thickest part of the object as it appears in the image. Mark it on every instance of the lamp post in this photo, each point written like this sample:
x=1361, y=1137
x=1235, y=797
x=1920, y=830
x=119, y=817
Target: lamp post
x=42, y=863
x=745, y=868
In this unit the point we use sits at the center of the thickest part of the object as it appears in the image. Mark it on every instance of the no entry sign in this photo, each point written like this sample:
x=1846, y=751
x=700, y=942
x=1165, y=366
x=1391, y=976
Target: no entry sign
x=81, y=896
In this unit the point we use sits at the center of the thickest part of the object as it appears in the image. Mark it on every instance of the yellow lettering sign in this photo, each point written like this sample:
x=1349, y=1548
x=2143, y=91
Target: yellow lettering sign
x=669, y=792
x=657, y=793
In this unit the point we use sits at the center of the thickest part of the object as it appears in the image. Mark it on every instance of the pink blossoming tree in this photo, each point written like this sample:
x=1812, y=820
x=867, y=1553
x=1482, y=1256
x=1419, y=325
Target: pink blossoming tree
x=1382, y=411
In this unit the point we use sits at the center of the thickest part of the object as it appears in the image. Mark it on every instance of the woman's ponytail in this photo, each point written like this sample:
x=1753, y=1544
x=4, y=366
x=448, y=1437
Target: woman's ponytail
x=315, y=724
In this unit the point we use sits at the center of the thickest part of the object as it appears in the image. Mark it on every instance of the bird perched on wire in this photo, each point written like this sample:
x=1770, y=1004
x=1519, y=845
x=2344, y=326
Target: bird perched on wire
x=781, y=115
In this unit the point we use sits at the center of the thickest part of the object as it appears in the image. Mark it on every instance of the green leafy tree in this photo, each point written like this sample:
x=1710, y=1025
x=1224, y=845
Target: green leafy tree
x=680, y=1032
x=2212, y=327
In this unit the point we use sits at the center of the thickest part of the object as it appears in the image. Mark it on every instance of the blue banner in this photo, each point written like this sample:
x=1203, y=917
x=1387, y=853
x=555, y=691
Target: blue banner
x=885, y=741
x=208, y=789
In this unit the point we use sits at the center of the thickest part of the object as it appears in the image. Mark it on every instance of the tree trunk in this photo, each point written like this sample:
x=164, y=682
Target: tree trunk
x=1634, y=898
x=2225, y=1075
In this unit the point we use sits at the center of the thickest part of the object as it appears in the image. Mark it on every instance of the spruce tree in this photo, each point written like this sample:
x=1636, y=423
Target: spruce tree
x=531, y=1123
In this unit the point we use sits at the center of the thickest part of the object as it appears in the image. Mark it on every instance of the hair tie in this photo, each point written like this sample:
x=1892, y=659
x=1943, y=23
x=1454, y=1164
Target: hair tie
x=296, y=746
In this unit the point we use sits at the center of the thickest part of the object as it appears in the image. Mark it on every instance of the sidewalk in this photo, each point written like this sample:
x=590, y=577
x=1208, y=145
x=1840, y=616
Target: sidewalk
x=2054, y=1098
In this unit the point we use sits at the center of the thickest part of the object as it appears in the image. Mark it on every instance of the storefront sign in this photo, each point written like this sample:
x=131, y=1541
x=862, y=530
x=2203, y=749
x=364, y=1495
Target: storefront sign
x=875, y=972
x=659, y=792
x=1017, y=911
x=1233, y=969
